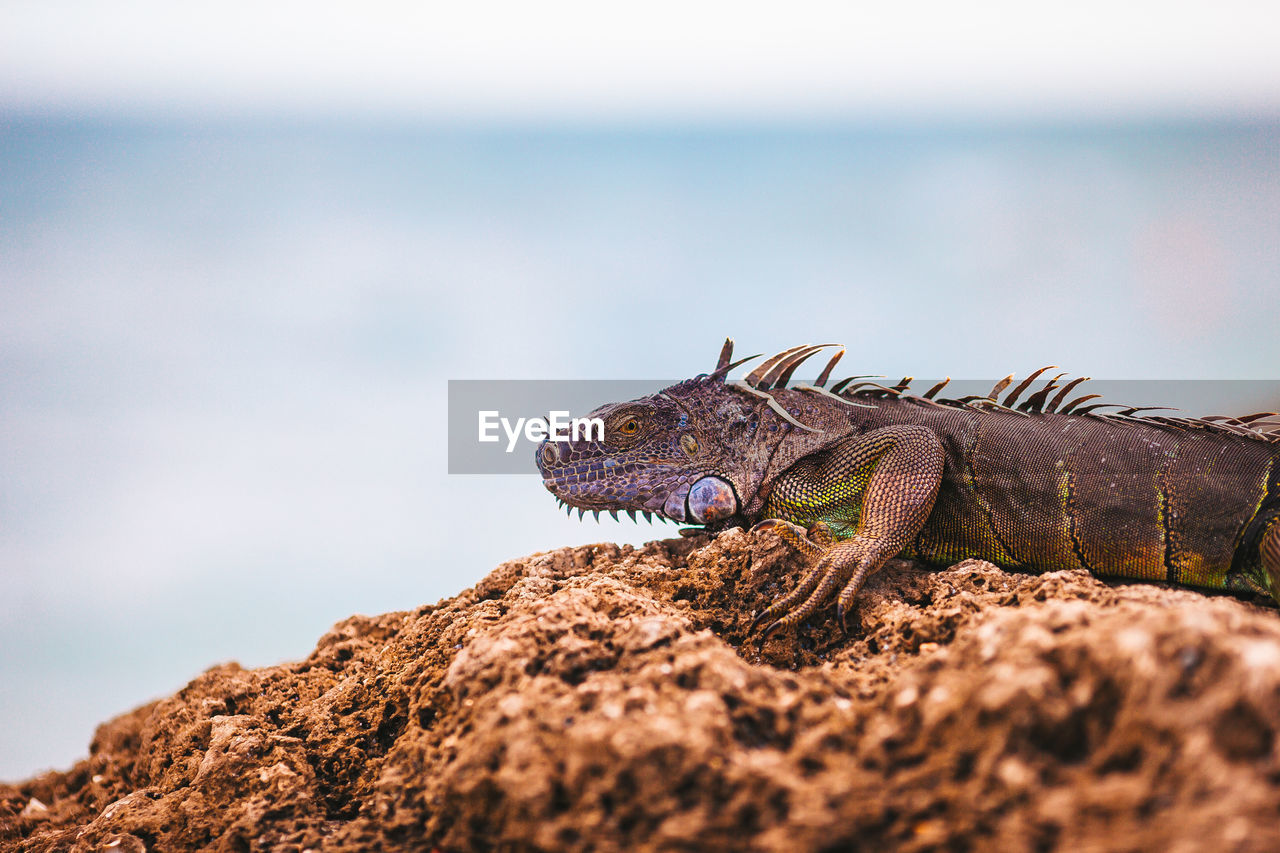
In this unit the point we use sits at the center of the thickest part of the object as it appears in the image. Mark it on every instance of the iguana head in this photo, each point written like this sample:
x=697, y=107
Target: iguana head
x=696, y=452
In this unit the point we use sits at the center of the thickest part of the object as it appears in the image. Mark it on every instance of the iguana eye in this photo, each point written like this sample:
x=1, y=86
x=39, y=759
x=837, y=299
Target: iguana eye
x=689, y=444
x=630, y=426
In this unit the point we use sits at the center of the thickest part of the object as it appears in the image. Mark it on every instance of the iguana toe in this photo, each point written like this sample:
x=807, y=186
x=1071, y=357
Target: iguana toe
x=812, y=543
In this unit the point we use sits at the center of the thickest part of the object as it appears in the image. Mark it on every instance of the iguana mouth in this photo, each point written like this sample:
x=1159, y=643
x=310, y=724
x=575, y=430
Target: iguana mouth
x=576, y=492
x=594, y=484
x=648, y=486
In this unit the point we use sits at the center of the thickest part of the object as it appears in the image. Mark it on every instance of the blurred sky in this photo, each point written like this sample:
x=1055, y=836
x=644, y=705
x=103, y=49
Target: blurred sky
x=243, y=247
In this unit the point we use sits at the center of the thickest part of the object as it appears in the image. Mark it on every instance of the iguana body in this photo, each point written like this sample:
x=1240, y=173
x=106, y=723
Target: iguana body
x=857, y=473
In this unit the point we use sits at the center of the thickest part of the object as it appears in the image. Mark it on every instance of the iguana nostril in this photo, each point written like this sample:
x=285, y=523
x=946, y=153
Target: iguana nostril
x=548, y=453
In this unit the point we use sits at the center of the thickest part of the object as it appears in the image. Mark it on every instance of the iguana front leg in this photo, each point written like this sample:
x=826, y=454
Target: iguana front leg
x=873, y=491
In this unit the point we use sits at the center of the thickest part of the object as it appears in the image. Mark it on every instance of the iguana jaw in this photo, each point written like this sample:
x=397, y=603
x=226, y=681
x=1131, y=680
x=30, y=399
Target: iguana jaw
x=677, y=493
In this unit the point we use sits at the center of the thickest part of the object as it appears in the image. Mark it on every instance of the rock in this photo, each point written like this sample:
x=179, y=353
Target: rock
x=34, y=810
x=610, y=698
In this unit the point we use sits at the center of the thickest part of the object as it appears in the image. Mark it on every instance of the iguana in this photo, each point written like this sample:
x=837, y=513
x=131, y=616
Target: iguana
x=856, y=473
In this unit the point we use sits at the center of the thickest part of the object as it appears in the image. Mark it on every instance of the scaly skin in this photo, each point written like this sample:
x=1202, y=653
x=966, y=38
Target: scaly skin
x=857, y=474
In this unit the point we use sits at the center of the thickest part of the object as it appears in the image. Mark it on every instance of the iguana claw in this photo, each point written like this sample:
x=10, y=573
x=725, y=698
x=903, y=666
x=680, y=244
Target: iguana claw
x=768, y=632
x=841, y=615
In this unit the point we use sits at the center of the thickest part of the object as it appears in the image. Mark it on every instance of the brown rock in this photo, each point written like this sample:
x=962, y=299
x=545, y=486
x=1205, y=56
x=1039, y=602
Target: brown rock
x=607, y=698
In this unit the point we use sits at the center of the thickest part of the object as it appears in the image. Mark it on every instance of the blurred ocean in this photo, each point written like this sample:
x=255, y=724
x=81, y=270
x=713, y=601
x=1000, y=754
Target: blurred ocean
x=224, y=346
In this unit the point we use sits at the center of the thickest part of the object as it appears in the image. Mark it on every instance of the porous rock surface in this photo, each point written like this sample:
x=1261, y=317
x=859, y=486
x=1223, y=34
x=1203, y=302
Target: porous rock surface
x=609, y=698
